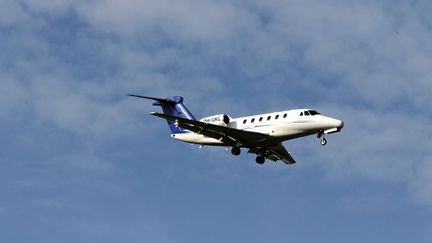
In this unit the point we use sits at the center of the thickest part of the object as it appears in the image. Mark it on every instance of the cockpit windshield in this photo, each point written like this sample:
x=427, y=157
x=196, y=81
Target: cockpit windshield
x=313, y=113
x=309, y=113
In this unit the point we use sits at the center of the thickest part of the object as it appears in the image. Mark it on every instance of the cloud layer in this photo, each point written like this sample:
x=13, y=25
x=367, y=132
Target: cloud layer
x=67, y=65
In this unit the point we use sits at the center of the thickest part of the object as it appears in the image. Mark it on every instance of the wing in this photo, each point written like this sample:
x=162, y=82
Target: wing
x=280, y=152
x=229, y=136
x=277, y=152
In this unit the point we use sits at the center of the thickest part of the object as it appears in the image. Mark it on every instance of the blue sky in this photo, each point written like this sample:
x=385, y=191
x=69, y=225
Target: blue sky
x=81, y=162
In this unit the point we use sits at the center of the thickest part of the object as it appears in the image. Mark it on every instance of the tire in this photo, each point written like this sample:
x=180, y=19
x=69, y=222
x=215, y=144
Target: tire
x=260, y=159
x=323, y=141
x=235, y=151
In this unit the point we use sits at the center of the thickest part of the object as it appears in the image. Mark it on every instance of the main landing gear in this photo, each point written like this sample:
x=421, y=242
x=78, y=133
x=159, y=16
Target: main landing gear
x=261, y=156
x=323, y=141
x=235, y=151
x=260, y=159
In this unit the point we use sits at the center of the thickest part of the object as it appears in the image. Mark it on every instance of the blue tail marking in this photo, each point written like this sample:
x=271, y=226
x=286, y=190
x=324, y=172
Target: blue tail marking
x=174, y=106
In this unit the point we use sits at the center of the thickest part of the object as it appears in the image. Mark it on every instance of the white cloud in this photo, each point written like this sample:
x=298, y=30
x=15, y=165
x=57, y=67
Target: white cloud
x=422, y=181
x=53, y=7
x=188, y=20
x=371, y=49
x=389, y=147
x=13, y=99
x=71, y=107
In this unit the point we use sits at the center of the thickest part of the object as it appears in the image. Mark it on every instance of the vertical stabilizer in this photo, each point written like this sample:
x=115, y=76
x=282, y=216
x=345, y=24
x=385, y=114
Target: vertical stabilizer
x=172, y=106
x=175, y=107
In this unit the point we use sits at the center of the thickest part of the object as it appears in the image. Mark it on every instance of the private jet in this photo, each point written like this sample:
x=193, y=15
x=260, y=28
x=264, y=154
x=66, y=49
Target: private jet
x=261, y=134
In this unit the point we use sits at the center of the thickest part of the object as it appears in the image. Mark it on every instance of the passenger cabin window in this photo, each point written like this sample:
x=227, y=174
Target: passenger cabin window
x=285, y=115
x=244, y=121
x=253, y=119
x=260, y=119
x=268, y=118
x=277, y=116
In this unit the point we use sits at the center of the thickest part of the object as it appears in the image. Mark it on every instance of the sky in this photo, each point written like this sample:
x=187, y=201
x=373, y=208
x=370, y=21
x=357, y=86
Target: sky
x=82, y=162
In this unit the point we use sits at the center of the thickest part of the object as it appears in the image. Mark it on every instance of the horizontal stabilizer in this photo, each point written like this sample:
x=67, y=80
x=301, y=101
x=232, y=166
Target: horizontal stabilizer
x=160, y=100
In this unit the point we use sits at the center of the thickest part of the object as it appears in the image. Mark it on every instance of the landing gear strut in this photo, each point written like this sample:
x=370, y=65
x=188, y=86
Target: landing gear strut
x=323, y=141
x=260, y=159
x=235, y=151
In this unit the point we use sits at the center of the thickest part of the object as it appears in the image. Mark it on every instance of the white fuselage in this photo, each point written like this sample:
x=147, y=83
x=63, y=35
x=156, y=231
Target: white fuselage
x=279, y=126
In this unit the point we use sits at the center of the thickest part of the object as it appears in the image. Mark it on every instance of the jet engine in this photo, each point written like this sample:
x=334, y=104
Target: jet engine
x=219, y=120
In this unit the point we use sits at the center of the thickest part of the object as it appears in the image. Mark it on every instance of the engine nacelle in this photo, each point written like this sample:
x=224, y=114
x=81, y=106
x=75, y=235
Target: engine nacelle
x=219, y=120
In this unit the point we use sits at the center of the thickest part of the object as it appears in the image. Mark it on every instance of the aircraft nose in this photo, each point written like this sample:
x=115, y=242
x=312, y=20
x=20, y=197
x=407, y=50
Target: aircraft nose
x=339, y=124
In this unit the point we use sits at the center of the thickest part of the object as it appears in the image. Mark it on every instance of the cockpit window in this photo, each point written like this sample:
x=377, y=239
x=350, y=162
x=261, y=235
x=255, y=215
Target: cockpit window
x=307, y=113
x=301, y=114
x=313, y=113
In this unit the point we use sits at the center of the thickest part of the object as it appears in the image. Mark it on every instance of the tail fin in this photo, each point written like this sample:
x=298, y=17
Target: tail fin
x=172, y=106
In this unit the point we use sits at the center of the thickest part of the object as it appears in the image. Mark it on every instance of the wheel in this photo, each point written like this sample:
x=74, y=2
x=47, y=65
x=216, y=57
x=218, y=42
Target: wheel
x=235, y=151
x=260, y=159
x=323, y=141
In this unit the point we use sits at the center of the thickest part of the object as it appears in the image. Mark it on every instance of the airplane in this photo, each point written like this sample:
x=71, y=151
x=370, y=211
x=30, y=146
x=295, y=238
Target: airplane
x=262, y=134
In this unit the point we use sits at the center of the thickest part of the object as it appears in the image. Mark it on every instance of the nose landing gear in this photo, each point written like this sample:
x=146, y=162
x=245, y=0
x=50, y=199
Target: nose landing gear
x=323, y=141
